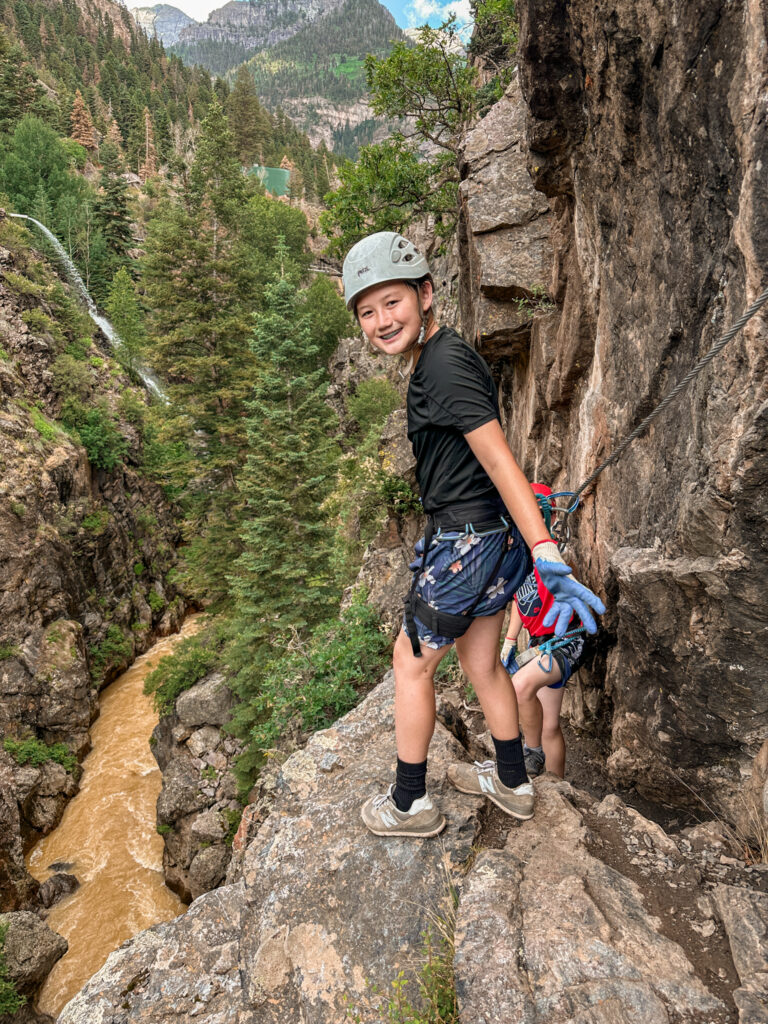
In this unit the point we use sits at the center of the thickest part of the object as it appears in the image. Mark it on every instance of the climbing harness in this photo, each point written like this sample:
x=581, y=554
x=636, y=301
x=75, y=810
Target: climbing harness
x=554, y=644
x=458, y=518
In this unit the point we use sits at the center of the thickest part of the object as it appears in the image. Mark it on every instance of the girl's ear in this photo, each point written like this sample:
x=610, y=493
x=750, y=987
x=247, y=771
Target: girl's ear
x=427, y=293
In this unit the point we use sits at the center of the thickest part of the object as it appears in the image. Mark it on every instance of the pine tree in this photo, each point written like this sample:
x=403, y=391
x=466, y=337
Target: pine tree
x=244, y=112
x=19, y=89
x=112, y=212
x=114, y=138
x=82, y=124
x=283, y=580
x=125, y=314
x=148, y=165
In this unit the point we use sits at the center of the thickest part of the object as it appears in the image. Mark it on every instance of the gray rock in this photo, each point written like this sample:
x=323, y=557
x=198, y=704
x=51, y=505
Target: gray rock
x=30, y=949
x=547, y=933
x=208, y=869
x=180, y=794
x=745, y=916
x=57, y=887
x=309, y=922
x=202, y=740
x=209, y=702
x=208, y=827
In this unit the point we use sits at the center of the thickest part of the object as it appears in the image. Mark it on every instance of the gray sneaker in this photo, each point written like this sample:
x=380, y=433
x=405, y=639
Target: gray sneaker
x=482, y=779
x=381, y=816
x=534, y=762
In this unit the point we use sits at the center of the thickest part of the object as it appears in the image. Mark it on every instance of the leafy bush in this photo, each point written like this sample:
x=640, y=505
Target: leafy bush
x=114, y=649
x=194, y=658
x=97, y=432
x=45, y=429
x=156, y=603
x=163, y=830
x=71, y=376
x=139, y=569
x=40, y=323
x=18, y=509
x=309, y=682
x=373, y=401
x=10, y=999
x=8, y=651
x=35, y=752
x=231, y=819
x=97, y=522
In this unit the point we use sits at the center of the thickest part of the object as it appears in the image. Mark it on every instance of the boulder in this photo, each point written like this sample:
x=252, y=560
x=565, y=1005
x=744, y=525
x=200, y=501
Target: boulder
x=30, y=949
x=321, y=911
x=745, y=916
x=209, y=702
x=57, y=887
x=549, y=931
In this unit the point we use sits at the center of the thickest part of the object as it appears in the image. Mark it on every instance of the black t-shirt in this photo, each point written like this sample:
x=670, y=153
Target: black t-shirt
x=451, y=392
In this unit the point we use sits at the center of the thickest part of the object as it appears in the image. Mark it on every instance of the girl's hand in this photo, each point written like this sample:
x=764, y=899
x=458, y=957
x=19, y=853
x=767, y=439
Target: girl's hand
x=570, y=595
x=508, y=652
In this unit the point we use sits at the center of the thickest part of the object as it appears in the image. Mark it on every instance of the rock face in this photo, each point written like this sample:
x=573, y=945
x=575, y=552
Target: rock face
x=588, y=912
x=254, y=26
x=318, y=907
x=646, y=138
x=30, y=950
x=84, y=555
x=162, y=21
x=197, y=809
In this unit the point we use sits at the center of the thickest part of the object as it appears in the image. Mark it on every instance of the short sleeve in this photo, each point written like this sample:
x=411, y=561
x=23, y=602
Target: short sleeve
x=460, y=391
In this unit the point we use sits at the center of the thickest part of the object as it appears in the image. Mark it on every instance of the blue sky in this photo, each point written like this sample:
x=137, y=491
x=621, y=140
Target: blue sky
x=406, y=13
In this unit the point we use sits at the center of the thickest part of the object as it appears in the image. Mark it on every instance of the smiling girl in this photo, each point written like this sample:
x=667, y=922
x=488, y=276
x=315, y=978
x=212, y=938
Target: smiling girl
x=484, y=530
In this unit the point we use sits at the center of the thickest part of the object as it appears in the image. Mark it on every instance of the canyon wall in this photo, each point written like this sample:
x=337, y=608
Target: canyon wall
x=643, y=127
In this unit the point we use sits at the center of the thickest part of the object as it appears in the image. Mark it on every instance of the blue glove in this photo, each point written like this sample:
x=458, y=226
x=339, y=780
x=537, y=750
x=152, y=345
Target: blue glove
x=570, y=595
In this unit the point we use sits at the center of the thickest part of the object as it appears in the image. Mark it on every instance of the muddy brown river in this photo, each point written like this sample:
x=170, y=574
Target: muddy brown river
x=107, y=837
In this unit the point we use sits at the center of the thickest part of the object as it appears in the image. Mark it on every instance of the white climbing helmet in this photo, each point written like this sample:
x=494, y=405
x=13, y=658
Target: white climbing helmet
x=385, y=256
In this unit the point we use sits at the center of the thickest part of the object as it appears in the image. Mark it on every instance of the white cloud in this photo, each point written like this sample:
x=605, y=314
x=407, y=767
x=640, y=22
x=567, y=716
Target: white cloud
x=421, y=11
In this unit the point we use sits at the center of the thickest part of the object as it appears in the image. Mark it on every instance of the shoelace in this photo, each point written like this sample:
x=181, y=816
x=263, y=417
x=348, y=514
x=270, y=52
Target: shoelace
x=484, y=767
x=379, y=801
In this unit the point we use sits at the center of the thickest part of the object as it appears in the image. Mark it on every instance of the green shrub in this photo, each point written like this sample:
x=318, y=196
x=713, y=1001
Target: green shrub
x=114, y=649
x=35, y=752
x=96, y=362
x=231, y=819
x=209, y=773
x=45, y=429
x=79, y=348
x=139, y=569
x=97, y=522
x=193, y=658
x=22, y=285
x=373, y=401
x=132, y=408
x=156, y=603
x=71, y=377
x=18, y=509
x=40, y=323
x=311, y=683
x=8, y=651
x=10, y=999
x=163, y=830
x=96, y=430
x=3, y=353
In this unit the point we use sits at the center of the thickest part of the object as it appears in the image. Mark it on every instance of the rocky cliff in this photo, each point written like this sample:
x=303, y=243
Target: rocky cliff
x=84, y=553
x=588, y=912
x=592, y=286
x=256, y=25
x=163, y=21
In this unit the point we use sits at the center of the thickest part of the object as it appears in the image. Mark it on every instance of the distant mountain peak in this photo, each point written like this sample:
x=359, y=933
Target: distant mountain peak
x=162, y=20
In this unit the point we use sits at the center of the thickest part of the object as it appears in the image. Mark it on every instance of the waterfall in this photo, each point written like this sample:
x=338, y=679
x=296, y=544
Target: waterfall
x=150, y=381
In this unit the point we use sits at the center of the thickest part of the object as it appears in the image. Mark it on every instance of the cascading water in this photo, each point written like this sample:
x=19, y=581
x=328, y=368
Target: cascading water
x=150, y=381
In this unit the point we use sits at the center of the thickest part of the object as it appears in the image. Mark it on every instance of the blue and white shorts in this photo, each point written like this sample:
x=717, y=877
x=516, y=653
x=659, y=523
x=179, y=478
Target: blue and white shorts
x=567, y=658
x=457, y=569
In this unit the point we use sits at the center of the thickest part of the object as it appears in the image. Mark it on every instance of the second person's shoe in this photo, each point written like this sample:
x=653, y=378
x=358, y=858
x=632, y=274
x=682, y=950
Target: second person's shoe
x=482, y=779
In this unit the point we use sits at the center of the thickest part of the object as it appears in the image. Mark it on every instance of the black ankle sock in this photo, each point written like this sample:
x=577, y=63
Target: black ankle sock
x=510, y=762
x=410, y=784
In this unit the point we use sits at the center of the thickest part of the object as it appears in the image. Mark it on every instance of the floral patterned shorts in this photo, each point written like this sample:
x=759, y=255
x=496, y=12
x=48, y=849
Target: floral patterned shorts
x=457, y=569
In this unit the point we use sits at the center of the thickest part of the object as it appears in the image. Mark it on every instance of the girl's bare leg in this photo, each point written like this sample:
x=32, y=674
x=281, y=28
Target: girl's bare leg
x=414, y=698
x=528, y=681
x=551, y=734
x=478, y=652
